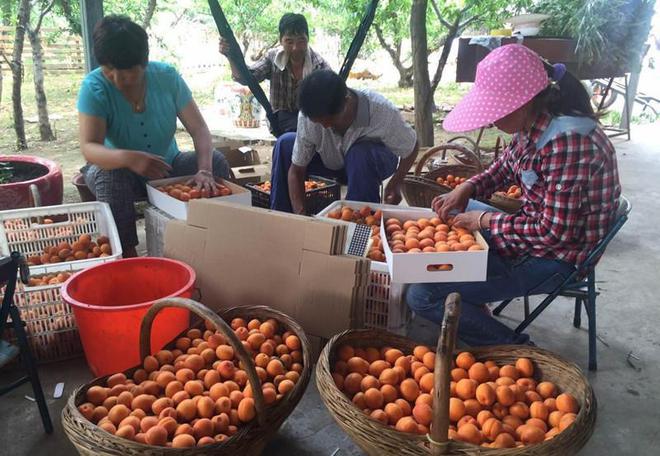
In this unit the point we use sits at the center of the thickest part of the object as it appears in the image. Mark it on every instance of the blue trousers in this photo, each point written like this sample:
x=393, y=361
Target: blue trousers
x=506, y=279
x=366, y=165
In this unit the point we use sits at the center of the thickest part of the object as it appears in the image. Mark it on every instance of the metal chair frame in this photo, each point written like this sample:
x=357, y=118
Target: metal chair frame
x=580, y=285
x=9, y=271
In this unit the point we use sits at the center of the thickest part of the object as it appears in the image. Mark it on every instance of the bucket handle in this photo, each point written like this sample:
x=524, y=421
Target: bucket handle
x=205, y=313
x=439, y=436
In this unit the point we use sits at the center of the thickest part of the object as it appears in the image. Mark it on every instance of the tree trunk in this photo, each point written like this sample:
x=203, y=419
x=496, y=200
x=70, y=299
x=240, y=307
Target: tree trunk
x=421, y=82
x=17, y=73
x=45, y=131
x=452, y=33
x=149, y=14
x=405, y=73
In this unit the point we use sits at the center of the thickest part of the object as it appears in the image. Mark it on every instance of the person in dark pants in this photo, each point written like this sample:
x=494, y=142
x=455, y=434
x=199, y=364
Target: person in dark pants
x=567, y=169
x=285, y=67
x=355, y=136
x=128, y=110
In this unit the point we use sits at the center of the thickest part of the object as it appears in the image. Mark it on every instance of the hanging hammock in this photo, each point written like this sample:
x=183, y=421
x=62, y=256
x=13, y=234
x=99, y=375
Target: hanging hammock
x=236, y=56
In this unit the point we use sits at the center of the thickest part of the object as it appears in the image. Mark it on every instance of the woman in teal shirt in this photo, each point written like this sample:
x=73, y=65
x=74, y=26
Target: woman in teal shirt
x=128, y=110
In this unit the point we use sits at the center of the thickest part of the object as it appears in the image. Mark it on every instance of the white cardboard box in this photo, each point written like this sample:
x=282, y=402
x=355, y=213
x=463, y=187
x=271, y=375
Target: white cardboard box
x=414, y=267
x=179, y=209
x=351, y=225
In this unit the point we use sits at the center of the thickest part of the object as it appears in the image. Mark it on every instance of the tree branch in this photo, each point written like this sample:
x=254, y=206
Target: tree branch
x=394, y=55
x=45, y=11
x=468, y=22
x=442, y=20
x=452, y=33
x=149, y=14
x=6, y=59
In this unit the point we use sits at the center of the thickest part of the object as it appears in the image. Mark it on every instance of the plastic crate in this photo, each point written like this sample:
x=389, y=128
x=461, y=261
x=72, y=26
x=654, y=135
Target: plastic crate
x=24, y=231
x=384, y=306
x=315, y=200
x=49, y=322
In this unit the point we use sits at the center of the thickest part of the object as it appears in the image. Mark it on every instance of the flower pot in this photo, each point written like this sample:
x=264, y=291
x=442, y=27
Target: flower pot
x=45, y=175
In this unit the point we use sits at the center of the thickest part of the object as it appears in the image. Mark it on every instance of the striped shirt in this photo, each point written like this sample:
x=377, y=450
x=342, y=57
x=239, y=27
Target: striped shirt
x=570, y=188
x=283, y=86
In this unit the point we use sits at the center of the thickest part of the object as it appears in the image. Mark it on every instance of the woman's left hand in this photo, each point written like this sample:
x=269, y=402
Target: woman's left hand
x=203, y=180
x=470, y=220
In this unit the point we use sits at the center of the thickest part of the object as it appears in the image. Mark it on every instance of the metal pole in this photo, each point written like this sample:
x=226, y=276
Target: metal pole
x=91, y=11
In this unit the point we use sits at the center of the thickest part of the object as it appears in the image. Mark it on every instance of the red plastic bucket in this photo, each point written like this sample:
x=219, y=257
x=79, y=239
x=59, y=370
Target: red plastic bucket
x=109, y=301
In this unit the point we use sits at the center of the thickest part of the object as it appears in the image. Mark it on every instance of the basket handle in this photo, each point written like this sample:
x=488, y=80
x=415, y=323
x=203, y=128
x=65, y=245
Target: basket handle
x=474, y=160
x=444, y=351
x=204, y=312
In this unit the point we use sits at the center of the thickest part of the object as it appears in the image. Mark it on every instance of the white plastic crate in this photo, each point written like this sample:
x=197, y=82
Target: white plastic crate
x=384, y=307
x=24, y=231
x=49, y=322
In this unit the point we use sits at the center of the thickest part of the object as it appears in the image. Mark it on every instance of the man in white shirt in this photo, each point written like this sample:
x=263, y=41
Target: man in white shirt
x=355, y=136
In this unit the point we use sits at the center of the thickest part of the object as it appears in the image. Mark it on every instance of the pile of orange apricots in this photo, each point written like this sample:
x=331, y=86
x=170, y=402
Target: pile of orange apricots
x=197, y=393
x=82, y=249
x=428, y=235
x=451, y=181
x=490, y=405
x=184, y=192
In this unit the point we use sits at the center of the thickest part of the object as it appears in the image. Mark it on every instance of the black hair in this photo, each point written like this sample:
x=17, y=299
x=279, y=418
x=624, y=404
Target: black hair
x=120, y=43
x=322, y=93
x=566, y=97
x=293, y=24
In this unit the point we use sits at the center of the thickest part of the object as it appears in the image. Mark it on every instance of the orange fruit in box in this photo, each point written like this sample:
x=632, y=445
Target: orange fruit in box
x=494, y=419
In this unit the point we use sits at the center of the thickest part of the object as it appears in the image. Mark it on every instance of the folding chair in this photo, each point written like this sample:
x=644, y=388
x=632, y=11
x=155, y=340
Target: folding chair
x=9, y=270
x=580, y=285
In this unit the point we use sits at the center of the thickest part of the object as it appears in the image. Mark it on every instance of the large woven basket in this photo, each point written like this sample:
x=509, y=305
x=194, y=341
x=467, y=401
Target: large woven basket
x=377, y=439
x=250, y=439
x=420, y=189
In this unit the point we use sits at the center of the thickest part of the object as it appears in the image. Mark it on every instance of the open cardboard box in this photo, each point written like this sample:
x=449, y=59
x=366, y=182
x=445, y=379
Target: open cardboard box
x=424, y=267
x=179, y=209
x=250, y=256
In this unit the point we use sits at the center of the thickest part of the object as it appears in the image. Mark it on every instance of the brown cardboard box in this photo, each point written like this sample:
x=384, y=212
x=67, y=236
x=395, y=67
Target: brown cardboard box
x=253, y=174
x=239, y=155
x=251, y=256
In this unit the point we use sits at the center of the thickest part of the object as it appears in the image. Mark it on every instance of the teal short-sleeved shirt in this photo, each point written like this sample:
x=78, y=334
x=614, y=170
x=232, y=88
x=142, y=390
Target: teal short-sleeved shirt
x=150, y=131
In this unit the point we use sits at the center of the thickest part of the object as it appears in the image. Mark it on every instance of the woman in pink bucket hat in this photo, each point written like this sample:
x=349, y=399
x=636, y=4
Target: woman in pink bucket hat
x=564, y=164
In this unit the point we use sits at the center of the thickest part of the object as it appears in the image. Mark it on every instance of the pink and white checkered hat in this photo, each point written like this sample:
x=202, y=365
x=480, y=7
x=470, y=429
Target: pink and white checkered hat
x=506, y=79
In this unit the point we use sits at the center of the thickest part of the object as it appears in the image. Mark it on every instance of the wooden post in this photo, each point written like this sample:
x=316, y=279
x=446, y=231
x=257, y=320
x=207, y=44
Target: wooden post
x=91, y=11
x=443, y=357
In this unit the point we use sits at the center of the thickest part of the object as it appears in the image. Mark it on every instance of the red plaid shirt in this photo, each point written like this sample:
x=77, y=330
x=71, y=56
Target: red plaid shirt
x=570, y=206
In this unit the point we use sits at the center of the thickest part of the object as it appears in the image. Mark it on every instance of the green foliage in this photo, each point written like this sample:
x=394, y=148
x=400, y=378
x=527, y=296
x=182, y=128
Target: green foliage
x=610, y=32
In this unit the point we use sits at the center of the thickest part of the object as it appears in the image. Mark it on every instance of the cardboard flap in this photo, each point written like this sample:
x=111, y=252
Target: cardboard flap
x=327, y=305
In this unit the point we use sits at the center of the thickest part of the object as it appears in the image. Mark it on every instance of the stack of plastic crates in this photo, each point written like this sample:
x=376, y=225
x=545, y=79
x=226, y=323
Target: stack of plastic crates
x=50, y=324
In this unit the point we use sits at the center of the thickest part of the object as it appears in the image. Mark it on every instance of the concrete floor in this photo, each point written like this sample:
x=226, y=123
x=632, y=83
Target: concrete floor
x=628, y=318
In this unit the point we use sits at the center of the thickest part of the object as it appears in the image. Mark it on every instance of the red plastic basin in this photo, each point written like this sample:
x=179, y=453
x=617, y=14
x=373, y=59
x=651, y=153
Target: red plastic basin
x=109, y=301
x=49, y=184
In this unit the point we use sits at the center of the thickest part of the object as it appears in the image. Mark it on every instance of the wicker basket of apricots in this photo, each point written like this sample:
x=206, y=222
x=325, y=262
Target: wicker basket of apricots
x=509, y=200
x=364, y=216
x=221, y=389
x=393, y=396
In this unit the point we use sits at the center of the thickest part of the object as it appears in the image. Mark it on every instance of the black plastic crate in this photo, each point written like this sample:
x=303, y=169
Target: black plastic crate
x=315, y=200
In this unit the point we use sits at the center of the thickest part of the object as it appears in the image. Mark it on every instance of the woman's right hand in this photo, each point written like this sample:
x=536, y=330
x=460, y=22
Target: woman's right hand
x=456, y=200
x=145, y=164
x=224, y=47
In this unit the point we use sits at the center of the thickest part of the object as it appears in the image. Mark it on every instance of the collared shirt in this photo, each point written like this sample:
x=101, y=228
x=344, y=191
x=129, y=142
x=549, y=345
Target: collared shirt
x=283, y=86
x=567, y=171
x=377, y=120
